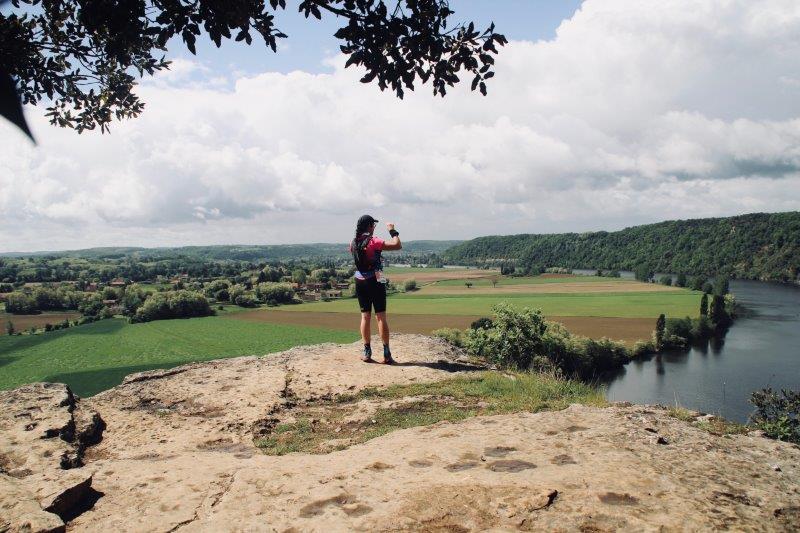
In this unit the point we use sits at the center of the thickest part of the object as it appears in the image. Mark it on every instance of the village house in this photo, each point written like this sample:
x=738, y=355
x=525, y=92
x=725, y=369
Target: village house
x=311, y=296
x=117, y=282
x=331, y=294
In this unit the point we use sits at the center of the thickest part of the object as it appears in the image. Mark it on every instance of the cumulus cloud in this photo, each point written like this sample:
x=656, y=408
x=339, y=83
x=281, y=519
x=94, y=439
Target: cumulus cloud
x=633, y=113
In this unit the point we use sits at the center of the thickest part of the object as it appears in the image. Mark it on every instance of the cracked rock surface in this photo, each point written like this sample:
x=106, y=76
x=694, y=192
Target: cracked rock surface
x=44, y=433
x=178, y=454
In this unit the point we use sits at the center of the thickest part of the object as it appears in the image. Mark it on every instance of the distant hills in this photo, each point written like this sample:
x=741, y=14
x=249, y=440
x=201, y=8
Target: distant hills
x=253, y=253
x=754, y=246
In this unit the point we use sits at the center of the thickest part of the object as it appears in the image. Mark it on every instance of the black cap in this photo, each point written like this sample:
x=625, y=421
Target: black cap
x=365, y=221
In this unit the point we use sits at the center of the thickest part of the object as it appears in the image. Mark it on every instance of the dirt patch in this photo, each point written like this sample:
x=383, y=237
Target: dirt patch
x=628, y=330
x=23, y=322
x=613, y=498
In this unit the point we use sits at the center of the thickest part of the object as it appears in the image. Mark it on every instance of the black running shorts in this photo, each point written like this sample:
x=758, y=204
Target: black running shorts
x=371, y=294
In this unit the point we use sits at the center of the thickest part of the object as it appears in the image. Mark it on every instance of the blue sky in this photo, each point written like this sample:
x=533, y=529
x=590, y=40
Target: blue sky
x=310, y=41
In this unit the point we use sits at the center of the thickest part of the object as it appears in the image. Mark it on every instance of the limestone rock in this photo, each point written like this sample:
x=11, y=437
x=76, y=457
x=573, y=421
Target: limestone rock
x=44, y=432
x=21, y=512
x=179, y=454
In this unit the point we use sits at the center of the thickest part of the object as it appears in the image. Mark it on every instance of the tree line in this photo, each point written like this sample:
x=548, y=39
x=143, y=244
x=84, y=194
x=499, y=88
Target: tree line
x=755, y=246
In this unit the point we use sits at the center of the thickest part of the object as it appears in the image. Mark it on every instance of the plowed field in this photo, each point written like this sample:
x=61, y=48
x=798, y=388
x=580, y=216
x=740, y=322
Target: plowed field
x=628, y=330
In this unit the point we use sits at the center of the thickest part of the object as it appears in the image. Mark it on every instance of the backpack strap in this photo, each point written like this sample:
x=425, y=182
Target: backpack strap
x=359, y=251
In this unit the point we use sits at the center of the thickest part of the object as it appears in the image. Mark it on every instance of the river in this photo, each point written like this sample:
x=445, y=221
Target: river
x=761, y=349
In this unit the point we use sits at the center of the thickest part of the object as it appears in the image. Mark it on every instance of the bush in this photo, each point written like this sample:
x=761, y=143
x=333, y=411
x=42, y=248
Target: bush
x=482, y=323
x=524, y=340
x=19, y=303
x=665, y=280
x=246, y=300
x=679, y=327
x=701, y=328
x=173, y=304
x=708, y=288
x=218, y=289
x=410, y=285
x=277, y=292
x=91, y=305
x=778, y=415
x=643, y=348
x=681, y=281
x=515, y=338
x=452, y=335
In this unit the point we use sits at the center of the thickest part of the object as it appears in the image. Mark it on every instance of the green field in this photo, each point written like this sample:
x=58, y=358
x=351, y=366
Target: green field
x=533, y=280
x=623, y=305
x=95, y=357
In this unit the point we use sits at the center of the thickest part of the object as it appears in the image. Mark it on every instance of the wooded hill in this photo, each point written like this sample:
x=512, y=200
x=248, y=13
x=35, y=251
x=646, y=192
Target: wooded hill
x=755, y=246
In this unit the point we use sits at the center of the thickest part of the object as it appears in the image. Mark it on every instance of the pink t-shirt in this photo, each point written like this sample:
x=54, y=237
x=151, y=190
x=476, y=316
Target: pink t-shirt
x=374, y=245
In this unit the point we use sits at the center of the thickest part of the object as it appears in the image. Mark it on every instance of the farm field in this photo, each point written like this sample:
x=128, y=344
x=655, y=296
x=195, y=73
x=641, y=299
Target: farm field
x=23, y=322
x=592, y=306
x=628, y=330
x=429, y=275
x=622, y=305
x=95, y=357
x=566, y=286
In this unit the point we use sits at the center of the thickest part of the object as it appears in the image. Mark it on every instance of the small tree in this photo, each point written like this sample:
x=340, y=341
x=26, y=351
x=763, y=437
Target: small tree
x=494, y=280
x=10, y=328
x=681, y=280
x=704, y=305
x=698, y=282
x=468, y=284
x=661, y=325
x=643, y=273
x=718, y=315
x=299, y=276
x=666, y=280
x=708, y=288
x=721, y=286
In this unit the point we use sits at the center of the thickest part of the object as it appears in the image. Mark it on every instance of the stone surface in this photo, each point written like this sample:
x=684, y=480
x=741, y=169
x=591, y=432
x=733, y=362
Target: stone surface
x=178, y=454
x=44, y=433
x=20, y=510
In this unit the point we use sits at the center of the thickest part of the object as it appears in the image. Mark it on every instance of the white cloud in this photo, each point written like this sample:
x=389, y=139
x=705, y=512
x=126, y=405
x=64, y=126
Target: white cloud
x=635, y=112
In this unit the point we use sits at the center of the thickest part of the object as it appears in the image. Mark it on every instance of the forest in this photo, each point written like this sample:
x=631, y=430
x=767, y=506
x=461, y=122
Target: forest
x=763, y=246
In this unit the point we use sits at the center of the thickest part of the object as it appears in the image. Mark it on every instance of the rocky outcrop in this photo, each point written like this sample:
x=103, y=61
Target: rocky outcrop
x=179, y=454
x=44, y=433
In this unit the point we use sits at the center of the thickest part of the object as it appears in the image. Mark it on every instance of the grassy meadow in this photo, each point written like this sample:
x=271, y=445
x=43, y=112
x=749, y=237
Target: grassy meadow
x=95, y=357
